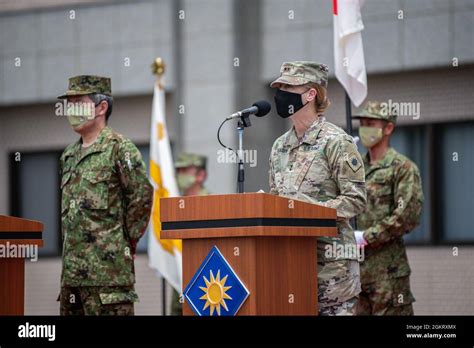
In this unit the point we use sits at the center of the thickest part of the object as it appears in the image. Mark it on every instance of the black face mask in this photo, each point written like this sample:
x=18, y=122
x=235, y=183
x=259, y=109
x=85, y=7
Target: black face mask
x=288, y=103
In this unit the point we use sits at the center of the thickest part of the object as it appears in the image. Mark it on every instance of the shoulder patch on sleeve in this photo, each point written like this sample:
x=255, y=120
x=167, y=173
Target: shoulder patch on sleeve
x=352, y=165
x=353, y=162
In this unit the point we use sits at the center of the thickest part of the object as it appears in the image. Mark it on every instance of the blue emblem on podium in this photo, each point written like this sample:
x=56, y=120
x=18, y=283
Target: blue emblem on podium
x=215, y=288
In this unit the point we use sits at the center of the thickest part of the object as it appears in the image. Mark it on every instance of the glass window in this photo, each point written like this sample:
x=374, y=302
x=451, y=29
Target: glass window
x=38, y=196
x=413, y=143
x=455, y=161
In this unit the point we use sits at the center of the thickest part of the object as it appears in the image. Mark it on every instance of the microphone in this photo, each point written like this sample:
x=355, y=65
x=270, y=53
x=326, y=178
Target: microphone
x=259, y=109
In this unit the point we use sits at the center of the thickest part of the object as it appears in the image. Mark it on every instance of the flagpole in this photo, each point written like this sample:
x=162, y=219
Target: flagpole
x=348, y=114
x=158, y=69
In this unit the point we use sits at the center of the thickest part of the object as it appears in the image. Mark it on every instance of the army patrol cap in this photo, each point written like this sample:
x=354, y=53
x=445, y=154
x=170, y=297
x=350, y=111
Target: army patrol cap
x=88, y=84
x=301, y=72
x=185, y=160
x=376, y=110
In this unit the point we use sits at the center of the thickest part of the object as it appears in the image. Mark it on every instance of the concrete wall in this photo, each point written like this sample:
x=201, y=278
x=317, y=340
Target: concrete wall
x=431, y=33
x=207, y=86
x=53, y=46
x=442, y=282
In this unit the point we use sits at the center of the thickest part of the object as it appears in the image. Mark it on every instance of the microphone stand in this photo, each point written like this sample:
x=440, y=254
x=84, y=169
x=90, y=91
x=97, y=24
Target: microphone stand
x=243, y=123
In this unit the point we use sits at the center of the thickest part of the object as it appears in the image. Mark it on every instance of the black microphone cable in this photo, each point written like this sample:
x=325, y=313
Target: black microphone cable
x=219, y=138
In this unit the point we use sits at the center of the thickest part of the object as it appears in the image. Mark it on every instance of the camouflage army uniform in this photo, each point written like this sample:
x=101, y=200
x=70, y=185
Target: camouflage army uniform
x=394, y=204
x=185, y=160
x=106, y=201
x=324, y=168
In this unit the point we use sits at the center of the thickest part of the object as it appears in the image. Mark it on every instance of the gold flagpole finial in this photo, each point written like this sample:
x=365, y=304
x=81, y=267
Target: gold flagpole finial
x=158, y=69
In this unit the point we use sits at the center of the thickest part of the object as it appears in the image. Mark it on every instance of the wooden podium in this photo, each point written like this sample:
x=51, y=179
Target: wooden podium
x=15, y=232
x=269, y=241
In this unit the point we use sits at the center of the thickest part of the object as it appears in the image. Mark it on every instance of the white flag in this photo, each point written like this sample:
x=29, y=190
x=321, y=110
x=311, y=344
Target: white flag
x=164, y=255
x=348, y=49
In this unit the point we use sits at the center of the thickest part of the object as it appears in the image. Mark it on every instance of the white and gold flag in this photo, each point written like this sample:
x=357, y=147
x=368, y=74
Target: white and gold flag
x=164, y=255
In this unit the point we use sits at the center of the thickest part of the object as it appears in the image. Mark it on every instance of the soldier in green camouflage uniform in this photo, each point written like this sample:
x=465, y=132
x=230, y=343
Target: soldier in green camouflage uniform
x=106, y=202
x=395, y=200
x=191, y=174
x=317, y=162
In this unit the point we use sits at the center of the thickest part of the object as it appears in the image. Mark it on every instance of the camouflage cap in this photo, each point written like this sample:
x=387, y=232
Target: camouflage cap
x=185, y=160
x=88, y=84
x=377, y=110
x=301, y=72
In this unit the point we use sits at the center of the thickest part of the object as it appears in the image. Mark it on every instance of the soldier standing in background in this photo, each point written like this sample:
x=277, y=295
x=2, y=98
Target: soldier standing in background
x=191, y=175
x=317, y=162
x=394, y=204
x=106, y=201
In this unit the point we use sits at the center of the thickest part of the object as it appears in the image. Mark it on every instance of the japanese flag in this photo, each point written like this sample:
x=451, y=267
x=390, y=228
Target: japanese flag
x=348, y=49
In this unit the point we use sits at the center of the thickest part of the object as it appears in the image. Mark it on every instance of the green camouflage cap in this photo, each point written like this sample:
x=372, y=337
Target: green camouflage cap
x=300, y=73
x=377, y=110
x=185, y=160
x=88, y=84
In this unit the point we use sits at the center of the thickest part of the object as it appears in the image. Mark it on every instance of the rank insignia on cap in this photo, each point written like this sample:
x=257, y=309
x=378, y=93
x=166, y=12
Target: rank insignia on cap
x=215, y=288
